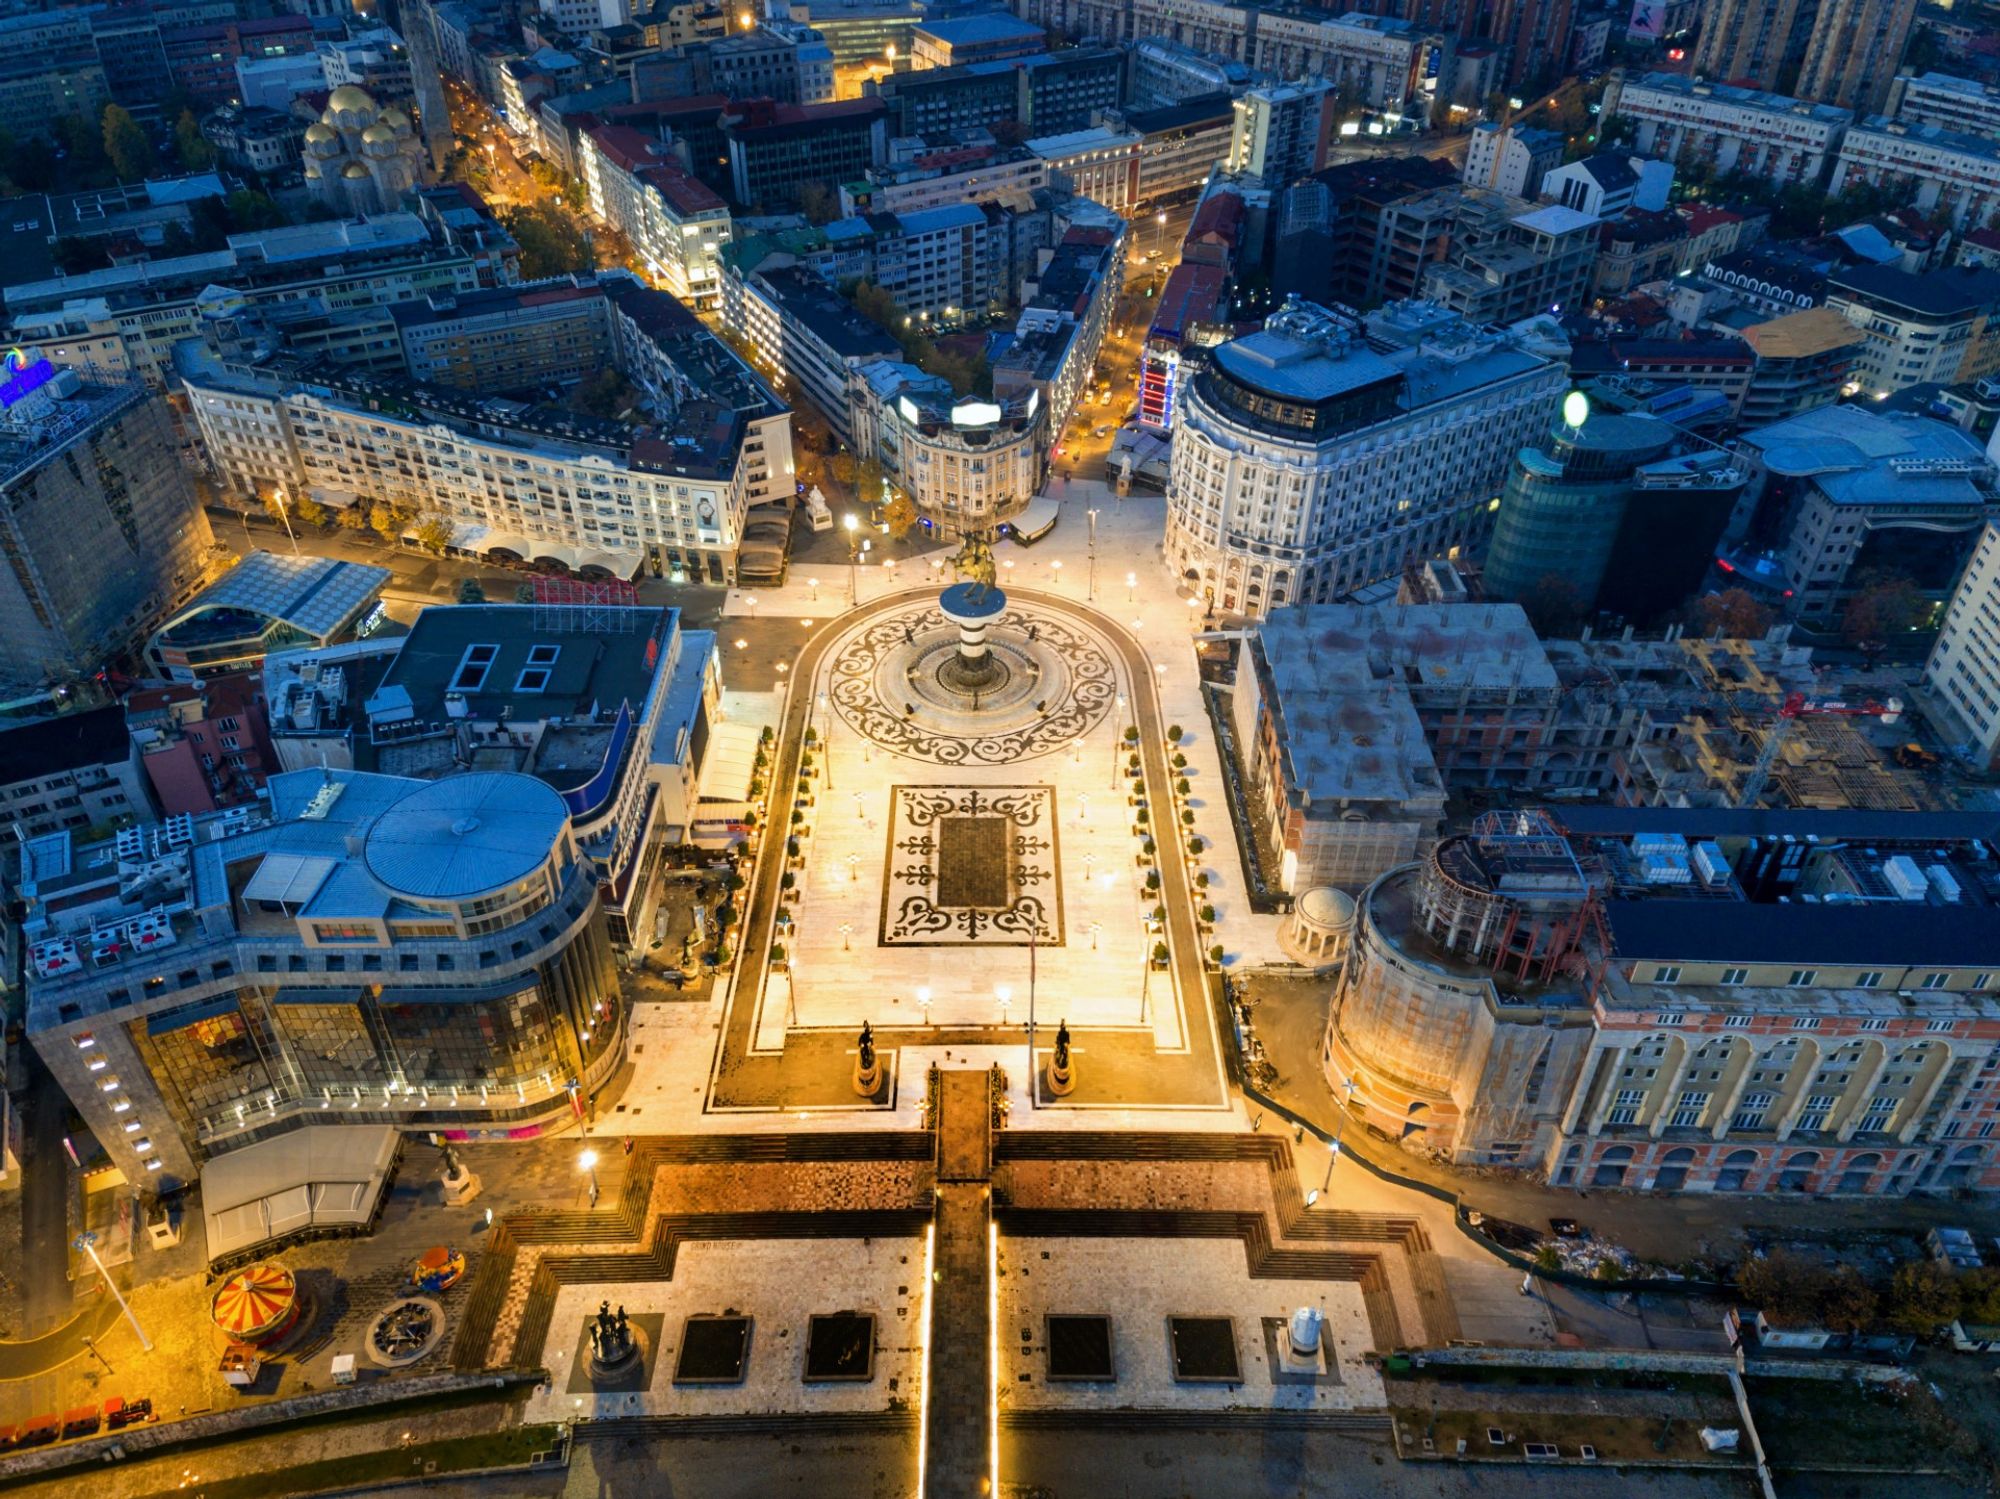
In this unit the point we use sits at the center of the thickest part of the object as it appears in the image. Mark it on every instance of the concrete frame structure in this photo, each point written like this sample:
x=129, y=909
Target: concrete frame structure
x=1786, y=142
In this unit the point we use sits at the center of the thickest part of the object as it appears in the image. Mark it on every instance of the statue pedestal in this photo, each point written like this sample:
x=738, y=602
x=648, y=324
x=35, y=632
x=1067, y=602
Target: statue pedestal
x=460, y=1187
x=1300, y=1347
x=620, y=1362
x=973, y=609
x=1059, y=1079
x=867, y=1080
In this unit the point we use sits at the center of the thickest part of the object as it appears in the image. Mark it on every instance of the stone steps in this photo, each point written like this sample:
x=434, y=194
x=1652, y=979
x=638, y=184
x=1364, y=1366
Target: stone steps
x=1180, y=1420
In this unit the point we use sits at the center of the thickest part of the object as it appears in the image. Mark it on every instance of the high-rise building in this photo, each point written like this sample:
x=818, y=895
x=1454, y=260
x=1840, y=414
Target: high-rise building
x=1609, y=513
x=1852, y=55
x=1281, y=133
x=1963, y=674
x=1323, y=451
x=98, y=521
x=1757, y=43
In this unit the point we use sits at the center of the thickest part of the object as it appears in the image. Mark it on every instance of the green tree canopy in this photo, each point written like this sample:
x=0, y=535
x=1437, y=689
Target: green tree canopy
x=126, y=144
x=190, y=145
x=552, y=242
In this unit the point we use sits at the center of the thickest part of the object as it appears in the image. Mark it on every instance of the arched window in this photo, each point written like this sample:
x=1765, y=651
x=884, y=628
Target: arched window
x=1611, y=1167
x=1674, y=1167
x=1798, y=1170
x=1736, y=1169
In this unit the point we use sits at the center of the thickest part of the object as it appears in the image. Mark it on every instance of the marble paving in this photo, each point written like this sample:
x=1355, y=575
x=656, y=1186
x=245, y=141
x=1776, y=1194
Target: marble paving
x=782, y=1284
x=1139, y=1284
x=971, y=866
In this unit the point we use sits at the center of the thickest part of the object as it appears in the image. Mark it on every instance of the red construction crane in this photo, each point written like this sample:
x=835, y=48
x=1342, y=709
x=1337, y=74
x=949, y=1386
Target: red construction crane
x=1798, y=705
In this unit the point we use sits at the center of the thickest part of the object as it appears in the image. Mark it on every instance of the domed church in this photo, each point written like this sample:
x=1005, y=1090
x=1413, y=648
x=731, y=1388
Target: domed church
x=360, y=158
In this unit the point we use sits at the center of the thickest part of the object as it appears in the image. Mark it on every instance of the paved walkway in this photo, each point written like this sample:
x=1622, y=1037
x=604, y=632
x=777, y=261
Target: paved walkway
x=958, y=1374
x=1126, y=1069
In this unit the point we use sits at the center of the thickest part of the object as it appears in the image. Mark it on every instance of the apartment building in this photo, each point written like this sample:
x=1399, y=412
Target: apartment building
x=525, y=481
x=1509, y=261
x=1281, y=133
x=775, y=149
x=1511, y=159
x=1962, y=676
x=938, y=178
x=678, y=226
x=1964, y=106
x=1721, y=128
x=805, y=334
x=1949, y=174
x=98, y=520
x=1683, y=1001
x=1852, y=54
x=968, y=465
x=72, y=771
x=940, y=264
x=1919, y=328
x=1326, y=451
x=1066, y=308
x=1376, y=61
x=134, y=314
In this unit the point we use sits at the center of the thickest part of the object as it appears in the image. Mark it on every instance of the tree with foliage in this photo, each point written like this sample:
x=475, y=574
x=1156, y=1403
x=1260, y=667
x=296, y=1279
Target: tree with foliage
x=1554, y=605
x=388, y=519
x=1886, y=604
x=1847, y=1302
x=470, y=591
x=434, y=534
x=353, y=517
x=247, y=209
x=1923, y=1296
x=30, y=165
x=83, y=138
x=552, y=242
x=126, y=145
x=307, y=511
x=819, y=203
x=1979, y=1296
x=1733, y=612
x=190, y=145
x=1784, y=1287
x=899, y=515
x=604, y=394
x=867, y=480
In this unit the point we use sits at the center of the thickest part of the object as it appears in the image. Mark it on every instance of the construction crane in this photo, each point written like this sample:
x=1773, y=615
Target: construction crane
x=1798, y=705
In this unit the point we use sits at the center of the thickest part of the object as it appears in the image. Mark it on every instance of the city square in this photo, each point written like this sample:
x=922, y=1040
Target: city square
x=987, y=749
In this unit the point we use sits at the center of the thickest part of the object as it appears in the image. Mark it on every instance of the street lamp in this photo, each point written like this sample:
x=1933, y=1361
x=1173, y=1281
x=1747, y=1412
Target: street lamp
x=853, y=525
x=1005, y=996
x=285, y=515
x=1131, y=583
x=1090, y=586
x=1117, y=741
x=87, y=1242
x=751, y=600
x=924, y=1002
x=587, y=1163
x=813, y=584
x=826, y=741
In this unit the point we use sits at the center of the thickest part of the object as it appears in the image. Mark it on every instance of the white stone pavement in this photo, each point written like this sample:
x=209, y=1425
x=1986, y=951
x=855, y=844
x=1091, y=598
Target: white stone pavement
x=781, y=1284
x=1139, y=1284
x=1153, y=607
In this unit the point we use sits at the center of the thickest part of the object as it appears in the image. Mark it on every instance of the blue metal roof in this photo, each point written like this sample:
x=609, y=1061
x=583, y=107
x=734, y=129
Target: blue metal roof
x=465, y=835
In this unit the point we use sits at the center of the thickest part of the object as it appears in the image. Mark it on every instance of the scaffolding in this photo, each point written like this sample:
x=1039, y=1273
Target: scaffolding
x=584, y=606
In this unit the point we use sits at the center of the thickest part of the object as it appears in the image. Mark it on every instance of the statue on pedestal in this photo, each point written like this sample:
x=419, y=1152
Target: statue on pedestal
x=867, y=1047
x=1060, y=1078
x=974, y=563
x=867, y=1070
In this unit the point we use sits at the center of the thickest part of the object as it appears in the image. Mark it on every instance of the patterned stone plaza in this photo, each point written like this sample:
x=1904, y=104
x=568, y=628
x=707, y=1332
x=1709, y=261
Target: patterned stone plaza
x=963, y=848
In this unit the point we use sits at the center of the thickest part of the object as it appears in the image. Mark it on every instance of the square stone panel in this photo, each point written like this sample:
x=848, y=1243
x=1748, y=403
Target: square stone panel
x=840, y=1346
x=1080, y=1349
x=1204, y=1350
x=972, y=866
x=714, y=1350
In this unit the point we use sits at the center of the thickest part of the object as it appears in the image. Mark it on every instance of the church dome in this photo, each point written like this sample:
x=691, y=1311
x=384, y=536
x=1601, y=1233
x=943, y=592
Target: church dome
x=396, y=120
x=312, y=171
x=378, y=134
x=350, y=98
x=354, y=171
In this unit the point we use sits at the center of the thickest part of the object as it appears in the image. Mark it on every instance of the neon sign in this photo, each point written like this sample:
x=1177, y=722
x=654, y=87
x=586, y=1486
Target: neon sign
x=26, y=374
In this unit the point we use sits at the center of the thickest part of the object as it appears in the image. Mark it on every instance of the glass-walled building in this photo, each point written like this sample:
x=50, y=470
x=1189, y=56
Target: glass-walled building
x=428, y=955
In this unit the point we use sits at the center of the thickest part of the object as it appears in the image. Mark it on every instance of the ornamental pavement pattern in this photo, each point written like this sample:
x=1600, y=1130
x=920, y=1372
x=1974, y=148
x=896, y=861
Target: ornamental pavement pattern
x=973, y=866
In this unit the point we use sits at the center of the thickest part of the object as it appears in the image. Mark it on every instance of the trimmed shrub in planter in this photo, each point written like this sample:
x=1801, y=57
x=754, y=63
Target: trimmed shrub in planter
x=1159, y=955
x=1152, y=879
x=1182, y=785
x=1200, y=880
x=1215, y=955
x=812, y=736
x=1179, y=762
x=777, y=955
x=1187, y=816
x=1174, y=732
x=1132, y=734
x=1147, y=848
x=1208, y=915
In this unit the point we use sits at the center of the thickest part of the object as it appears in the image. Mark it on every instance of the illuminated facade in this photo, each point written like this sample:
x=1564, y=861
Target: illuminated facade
x=966, y=464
